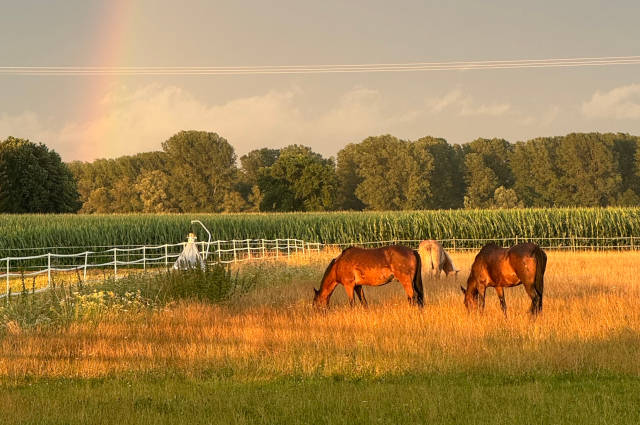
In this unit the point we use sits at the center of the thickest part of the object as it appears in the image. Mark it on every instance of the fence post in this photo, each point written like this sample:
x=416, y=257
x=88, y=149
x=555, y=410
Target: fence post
x=249, y=248
x=166, y=256
x=235, y=257
x=262, y=248
x=633, y=247
x=303, y=242
x=277, y=249
x=288, y=247
x=219, y=253
x=115, y=263
x=454, y=244
x=144, y=258
x=516, y=239
x=48, y=269
x=8, y=286
x=86, y=259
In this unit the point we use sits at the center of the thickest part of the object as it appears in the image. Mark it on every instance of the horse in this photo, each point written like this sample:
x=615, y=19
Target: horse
x=356, y=267
x=503, y=268
x=432, y=254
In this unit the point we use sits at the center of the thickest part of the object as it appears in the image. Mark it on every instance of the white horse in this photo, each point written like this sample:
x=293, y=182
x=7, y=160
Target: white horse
x=435, y=260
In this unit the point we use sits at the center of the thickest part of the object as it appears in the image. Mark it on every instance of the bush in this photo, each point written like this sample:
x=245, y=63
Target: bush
x=132, y=294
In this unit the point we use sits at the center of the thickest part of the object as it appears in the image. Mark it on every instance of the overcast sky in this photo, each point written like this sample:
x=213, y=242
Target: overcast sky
x=88, y=117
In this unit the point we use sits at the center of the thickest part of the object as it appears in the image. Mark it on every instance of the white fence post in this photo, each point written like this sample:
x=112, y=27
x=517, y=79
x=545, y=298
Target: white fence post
x=144, y=258
x=277, y=249
x=249, y=248
x=86, y=259
x=288, y=247
x=262, y=248
x=115, y=263
x=166, y=255
x=49, y=269
x=234, y=251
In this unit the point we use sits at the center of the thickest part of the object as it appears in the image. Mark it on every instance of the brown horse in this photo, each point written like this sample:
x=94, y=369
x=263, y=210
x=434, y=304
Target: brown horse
x=356, y=267
x=505, y=267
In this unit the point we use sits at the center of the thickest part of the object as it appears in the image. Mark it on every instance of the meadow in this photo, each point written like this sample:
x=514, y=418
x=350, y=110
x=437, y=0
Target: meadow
x=261, y=354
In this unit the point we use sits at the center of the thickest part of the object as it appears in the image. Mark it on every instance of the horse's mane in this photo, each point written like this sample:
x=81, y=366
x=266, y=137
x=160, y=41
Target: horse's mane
x=328, y=270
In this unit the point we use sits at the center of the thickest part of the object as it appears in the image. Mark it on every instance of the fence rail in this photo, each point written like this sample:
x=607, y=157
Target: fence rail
x=143, y=257
x=140, y=257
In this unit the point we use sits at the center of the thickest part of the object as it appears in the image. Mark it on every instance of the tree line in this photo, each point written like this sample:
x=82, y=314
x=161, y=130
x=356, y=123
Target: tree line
x=198, y=172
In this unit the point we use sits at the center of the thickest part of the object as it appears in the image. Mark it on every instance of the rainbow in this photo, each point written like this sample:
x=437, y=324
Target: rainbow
x=115, y=28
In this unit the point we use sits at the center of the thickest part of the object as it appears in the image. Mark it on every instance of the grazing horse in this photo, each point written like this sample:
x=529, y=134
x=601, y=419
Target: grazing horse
x=435, y=260
x=524, y=264
x=356, y=267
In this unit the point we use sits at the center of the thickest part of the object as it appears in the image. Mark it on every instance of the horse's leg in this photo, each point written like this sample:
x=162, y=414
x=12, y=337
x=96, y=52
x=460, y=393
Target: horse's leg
x=349, y=287
x=361, y=297
x=503, y=303
x=407, y=283
x=481, y=292
x=536, y=304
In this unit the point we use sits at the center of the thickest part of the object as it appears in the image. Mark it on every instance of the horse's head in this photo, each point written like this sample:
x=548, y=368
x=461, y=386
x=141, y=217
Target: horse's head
x=470, y=298
x=317, y=301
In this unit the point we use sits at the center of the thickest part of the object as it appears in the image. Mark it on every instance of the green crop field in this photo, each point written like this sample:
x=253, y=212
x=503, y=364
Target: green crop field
x=35, y=231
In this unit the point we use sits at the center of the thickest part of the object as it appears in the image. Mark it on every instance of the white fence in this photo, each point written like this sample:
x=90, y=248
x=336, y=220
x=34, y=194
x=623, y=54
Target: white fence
x=110, y=259
x=141, y=257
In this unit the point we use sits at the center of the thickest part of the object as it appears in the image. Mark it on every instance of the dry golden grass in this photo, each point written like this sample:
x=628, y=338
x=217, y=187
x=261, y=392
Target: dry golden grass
x=590, y=323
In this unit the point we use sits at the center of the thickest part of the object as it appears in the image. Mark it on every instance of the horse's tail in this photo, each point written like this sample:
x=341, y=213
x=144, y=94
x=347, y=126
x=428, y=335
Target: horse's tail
x=541, y=265
x=417, y=281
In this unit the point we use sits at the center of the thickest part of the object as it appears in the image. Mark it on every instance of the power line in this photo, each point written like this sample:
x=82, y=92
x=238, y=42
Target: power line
x=319, y=69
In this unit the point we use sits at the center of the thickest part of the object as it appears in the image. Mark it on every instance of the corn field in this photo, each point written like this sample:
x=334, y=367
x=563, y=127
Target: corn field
x=44, y=231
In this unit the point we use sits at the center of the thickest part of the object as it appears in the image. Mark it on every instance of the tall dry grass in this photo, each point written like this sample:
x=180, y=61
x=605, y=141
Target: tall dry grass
x=590, y=324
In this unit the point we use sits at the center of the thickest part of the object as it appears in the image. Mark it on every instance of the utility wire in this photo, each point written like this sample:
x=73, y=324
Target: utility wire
x=319, y=69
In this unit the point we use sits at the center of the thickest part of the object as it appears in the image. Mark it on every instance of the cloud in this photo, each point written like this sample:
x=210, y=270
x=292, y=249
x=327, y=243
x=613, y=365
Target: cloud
x=464, y=105
x=620, y=103
x=543, y=119
x=138, y=120
x=131, y=120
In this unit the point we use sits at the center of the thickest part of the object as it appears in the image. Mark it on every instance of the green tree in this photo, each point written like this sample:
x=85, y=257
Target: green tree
x=153, y=189
x=348, y=178
x=252, y=165
x=299, y=180
x=487, y=167
x=34, y=179
x=202, y=170
x=506, y=198
x=446, y=176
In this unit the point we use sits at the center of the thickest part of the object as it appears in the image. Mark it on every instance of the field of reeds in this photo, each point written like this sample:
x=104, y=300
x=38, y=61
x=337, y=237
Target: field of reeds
x=39, y=231
x=264, y=355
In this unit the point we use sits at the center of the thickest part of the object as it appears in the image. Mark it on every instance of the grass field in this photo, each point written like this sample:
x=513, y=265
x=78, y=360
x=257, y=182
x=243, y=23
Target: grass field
x=268, y=357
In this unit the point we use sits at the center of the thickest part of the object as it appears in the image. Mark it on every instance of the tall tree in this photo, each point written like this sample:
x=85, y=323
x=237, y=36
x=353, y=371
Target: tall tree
x=348, y=178
x=202, y=170
x=487, y=168
x=34, y=179
x=446, y=177
x=590, y=175
x=299, y=180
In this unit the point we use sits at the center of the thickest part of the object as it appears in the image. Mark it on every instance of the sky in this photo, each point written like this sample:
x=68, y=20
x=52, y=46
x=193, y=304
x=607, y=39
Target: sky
x=105, y=116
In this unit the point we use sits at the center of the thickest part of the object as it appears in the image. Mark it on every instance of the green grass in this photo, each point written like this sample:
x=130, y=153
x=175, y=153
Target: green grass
x=36, y=231
x=435, y=399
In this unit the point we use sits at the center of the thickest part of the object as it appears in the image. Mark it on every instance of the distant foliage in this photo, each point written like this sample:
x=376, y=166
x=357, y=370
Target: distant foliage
x=34, y=179
x=197, y=172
